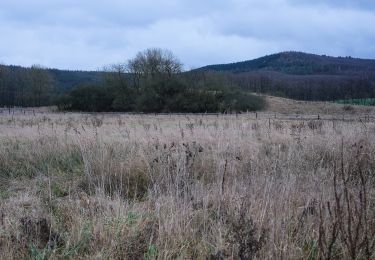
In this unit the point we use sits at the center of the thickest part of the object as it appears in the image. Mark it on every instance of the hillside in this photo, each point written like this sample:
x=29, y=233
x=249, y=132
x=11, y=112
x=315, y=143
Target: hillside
x=299, y=63
x=289, y=106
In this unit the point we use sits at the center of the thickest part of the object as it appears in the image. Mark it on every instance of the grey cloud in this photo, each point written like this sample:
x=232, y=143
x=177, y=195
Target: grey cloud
x=88, y=34
x=356, y=4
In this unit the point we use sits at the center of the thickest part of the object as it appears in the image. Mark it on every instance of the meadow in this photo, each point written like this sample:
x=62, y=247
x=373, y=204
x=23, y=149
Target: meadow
x=246, y=186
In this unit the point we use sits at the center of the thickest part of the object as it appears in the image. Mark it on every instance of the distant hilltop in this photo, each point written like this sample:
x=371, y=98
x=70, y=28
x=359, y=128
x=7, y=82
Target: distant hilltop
x=299, y=63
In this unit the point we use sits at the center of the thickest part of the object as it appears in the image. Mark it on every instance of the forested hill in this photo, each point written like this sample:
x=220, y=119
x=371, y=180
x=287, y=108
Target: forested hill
x=299, y=63
x=303, y=76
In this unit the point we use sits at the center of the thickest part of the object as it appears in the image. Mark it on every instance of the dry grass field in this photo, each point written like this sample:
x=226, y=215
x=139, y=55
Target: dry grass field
x=119, y=186
x=289, y=106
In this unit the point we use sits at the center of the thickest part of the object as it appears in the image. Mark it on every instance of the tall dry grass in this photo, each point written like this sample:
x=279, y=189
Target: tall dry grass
x=186, y=187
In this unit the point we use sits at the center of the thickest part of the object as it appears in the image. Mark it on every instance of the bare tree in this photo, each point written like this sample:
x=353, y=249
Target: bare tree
x=153, y=63
x=3, y=93
x=7, y=87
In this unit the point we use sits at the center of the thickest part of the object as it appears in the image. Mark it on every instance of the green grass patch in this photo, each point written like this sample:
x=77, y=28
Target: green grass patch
x=357, y=101
x=27, y=159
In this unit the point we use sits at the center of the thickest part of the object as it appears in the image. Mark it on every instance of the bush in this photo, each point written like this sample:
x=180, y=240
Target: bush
x=124, y=101
x=89, y=98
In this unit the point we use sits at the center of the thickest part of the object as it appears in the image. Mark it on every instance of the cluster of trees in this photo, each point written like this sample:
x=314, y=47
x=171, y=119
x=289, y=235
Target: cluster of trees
x=25, y=87
x=153, y=82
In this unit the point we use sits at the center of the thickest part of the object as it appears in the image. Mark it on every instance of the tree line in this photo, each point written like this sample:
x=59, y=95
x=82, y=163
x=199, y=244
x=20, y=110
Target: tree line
x=307, y=87
x=26, y=87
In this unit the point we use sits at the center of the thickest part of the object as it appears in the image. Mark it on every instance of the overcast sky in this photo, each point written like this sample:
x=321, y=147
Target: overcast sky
x=87, y=34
